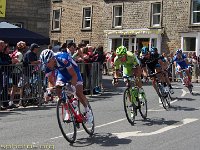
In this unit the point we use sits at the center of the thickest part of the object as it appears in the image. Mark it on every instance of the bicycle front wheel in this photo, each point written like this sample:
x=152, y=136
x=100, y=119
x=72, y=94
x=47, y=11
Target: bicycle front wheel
x=142, y=103
x=67, y=126
x=129, y=107
x=164, y=97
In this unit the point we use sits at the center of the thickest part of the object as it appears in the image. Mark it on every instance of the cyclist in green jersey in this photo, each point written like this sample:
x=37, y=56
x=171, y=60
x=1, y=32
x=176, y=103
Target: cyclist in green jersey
x=131, y=66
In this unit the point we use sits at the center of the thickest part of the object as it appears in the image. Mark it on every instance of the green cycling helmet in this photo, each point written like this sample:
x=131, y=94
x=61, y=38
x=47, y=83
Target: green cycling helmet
x=121, y=50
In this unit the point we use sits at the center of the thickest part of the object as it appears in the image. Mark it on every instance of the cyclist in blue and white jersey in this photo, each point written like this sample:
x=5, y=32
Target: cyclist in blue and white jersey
x=66, y=71
x=180, y=63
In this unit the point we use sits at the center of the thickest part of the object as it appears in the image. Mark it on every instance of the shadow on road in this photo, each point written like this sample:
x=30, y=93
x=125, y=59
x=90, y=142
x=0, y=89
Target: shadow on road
x=184, y=98
x=158, y=121
x=181, y=108
x=102, y=139
x=6, y=113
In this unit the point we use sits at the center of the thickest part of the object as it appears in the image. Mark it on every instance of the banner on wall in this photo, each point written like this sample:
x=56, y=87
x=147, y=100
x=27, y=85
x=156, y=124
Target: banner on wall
x=133, y=32
x=2, y=8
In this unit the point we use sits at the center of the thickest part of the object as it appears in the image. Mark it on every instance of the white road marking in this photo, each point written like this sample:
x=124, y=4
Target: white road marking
x=184, y=93
x=82, y=130
x=167, y=128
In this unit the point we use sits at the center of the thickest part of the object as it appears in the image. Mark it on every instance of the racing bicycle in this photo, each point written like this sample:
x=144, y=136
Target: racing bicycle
x=186, y=80
x=65, y=106
x=165, y=95
x=133, y=101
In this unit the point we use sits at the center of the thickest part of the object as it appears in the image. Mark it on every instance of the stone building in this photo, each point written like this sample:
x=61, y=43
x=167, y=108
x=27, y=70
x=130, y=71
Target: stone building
x=78, y=21
x=165, y=24
x=33, y=15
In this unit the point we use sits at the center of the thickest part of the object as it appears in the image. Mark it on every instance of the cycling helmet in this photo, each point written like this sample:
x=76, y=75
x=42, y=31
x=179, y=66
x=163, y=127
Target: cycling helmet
x=46, y=55
x=178, y=51
x=121, y=50
x=21, y=45
x=153, y=49
x=144, y=50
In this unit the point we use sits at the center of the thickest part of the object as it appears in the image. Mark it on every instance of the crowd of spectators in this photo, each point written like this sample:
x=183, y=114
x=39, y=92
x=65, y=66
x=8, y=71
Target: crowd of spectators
x=23, y=56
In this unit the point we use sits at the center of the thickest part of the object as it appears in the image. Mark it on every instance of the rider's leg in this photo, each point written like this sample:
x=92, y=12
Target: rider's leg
x=167, y=79
x=189, y=76
x=138, y=72
x=80, y=95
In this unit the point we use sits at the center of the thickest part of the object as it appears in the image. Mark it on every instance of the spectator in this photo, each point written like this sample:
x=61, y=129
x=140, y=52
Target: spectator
x=71, y=48
x=78, y=55
x=31, y=55
x=5, y=70
x=17, y=58
x=56, y=48
x=63, y=48
x=195, y=72
x=2, y=45
x=30, y=60
x=50, y=47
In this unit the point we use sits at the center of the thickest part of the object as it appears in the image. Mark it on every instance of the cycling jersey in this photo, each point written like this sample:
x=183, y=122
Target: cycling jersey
x=151, y=62
x=181, y=61
x=64, y=61
x=131, y=61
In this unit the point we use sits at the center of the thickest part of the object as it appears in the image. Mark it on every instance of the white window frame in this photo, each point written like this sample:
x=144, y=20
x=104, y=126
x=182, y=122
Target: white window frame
x=155, y=14
x=84, y=18
x=192, y=13
x=82, y=41
x=114, y=17
x=70, y=40
x=54, y=20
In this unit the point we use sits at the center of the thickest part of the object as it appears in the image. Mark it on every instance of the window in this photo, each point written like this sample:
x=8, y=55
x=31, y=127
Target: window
x=56, y=20
x=87, y=19
x=189, y=43
x=85, y=42
x=116, y=43
x=18, y=24
x=156, y=14
x=195, y=12
x=117, y=16
x=69, y=41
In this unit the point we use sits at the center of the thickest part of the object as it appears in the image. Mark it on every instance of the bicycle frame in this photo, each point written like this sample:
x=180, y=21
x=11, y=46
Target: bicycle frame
x=68, y=105
x=185, y=78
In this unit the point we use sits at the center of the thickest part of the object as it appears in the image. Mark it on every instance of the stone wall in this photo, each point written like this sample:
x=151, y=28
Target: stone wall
x=71, y=21
x=34, y=14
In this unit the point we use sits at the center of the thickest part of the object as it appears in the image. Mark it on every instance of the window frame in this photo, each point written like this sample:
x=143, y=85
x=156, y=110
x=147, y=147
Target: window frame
x=88, y=19
x=82, y=41
x=53, y=19
x=192, y=16
x=113, y=16
x=152, y=15
x=71, y=40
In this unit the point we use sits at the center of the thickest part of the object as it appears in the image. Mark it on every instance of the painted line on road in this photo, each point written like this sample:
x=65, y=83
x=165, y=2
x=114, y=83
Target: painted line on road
x=99, y=126
x=162, y=130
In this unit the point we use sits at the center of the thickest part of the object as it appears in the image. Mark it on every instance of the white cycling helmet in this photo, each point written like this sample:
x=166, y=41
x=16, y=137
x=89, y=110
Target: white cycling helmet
x=46, y=55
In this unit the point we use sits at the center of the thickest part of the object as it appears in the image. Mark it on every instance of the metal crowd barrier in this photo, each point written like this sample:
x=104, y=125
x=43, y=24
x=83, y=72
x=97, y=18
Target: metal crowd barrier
x=27, y=84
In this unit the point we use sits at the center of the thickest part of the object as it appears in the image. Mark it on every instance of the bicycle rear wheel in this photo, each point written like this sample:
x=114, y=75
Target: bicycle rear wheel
x=129, y=107
x=88, y=126
x=142, y=104
x=68, y=128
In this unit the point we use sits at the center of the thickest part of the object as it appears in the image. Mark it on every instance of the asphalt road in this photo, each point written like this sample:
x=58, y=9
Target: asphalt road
x=178, y=128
